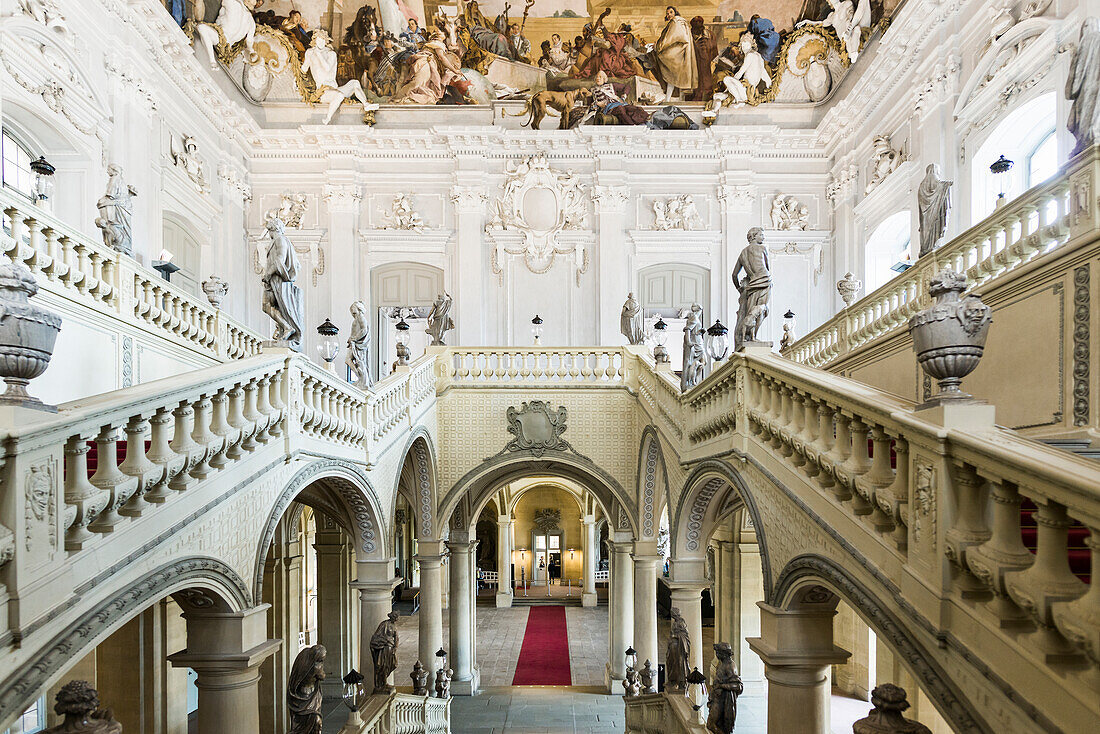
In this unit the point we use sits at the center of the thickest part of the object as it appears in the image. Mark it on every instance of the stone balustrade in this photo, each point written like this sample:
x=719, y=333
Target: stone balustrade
x=498, y=366
x=1051, y=215
x=83, y=270
x=661, y=713
x=403, y=713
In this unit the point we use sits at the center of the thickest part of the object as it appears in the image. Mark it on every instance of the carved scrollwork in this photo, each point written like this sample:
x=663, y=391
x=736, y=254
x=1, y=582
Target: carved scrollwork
x=537, y=428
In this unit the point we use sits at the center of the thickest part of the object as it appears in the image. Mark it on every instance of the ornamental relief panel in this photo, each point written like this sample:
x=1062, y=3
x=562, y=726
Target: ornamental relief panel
x=40, y=512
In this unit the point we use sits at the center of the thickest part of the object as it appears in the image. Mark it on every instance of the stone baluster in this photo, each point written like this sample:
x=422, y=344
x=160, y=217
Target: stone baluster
x=80, y=494
x=203, y=436
x=971, y=500
x=278, y=407
x=184, y=445
x=858, y=464
x=893, y=500
x=68, y=257
x=880, y=476
x=1079, y=621
x=842, y=449
x=237, y=421
x=1003, y=553
x=220, y=427
x=109, y=479
x=825, y=444
x=1049, y=580
x=263, y=407
x=251, y=415
x=161, y=453
x=137, y=465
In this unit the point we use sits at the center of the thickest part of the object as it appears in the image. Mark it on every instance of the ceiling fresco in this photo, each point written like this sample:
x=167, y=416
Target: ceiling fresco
x=572, y=61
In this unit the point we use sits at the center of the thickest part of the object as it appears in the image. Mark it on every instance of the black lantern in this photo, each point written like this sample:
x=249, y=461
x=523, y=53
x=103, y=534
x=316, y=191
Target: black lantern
x=43, y=179
x=353, y=689
x=631, y=658
x=329, y=346
x=660, y=335
x=718, y=342
x=441, y=655
x=999, y=168
x=696, y=690
x=536, y=329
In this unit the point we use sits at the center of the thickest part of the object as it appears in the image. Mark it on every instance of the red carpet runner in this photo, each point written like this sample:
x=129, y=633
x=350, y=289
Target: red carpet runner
x=544, y=657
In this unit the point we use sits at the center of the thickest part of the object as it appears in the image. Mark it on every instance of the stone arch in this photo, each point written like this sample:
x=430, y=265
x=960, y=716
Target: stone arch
x=812, y=581
x=417, y=482
x=651, y=472
x=195, y=581
x=482, y=482
x=352, y=497
x=710, y=492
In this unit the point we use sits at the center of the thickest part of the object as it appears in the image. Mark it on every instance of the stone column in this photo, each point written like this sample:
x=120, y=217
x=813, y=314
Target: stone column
x=283, y=590
x=726, y=599
x=461, y=630
x=430, y=558
x=505, y=526
x=469, y=197
x=226, y=649
x=797, y=649
x=750, y=590
x=645, y=601
x=588, y=591
x=621, y=612
x=375, y=581
x=687, y=597
x=333, y=619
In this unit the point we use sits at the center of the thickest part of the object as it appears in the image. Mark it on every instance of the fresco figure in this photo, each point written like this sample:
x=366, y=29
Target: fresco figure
x=674, y=54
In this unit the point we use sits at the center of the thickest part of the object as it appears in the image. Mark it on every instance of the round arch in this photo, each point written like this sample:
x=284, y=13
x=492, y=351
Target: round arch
x=481, y=483
x=553, y=482
x=814, y=581
x=351, y=492
x=651, y=471
x=195, y=581
x=417, y=482
x=709, y=489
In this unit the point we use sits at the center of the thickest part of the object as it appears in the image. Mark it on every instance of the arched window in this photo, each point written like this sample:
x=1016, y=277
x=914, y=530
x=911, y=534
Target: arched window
x=888, y=246
x=1026, y=137
x=17, y=166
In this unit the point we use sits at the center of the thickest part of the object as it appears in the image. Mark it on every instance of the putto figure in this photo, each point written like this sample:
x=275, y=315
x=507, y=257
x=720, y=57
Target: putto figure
x=695, y=356
x=383, y=651
x=725, y=687
x=439, y=319
x=116, y=210
x=358, y=352
x=755, y=288
x=320, y=61
x=933, y=205
x=282, y=297
x=677, y=654
x=1083, y=87
x=630, y=321
x=303, y=691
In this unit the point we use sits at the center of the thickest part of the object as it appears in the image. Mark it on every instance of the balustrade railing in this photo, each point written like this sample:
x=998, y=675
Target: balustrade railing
x=661, y=713
x=1048, y=216
x=84, y=270
x=404, y=713
x=535, y=365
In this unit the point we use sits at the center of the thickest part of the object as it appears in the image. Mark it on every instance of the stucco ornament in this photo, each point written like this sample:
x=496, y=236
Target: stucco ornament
x=548, y=520
x=78, y=702
x=233, y=24
x=46, y=12
x=292, y=207
x=540, y=203
x=787, y=213
x=116, y=210
x=216, y=290
x=402, y=215
x=848, y=287
x=27, y=335
x=678, y=212
x=949, y=336
x=884, y=161
x=537, y=428
x=185, y=154
x=885, y=718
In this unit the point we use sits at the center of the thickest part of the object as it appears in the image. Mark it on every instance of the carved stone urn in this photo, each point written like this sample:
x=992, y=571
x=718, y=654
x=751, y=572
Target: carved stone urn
x=78, y=702
x=848, y=287
x=949, y=336
x=215, y=289
x=885, y=718
x=27, y=336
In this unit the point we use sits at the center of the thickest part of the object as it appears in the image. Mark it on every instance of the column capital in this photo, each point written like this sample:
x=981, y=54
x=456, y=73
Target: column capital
x=225, y=663
x=621, y=546
x=461, y=546
x=368, y=589
x=800, y=638
x=428, y=561
x=686, y=589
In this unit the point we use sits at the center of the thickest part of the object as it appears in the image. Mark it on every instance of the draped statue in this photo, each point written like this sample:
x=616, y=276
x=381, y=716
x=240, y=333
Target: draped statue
x=1083, y=87
x=695, y=356
x=630, y=322
x=78, y=702
x=933, y=204
x=383, y=651
x=116, y=209
x=358, y=351
x=282, y=299
x=724, y=690
x=755, y=288
x=303, y=690
x=439, y=319
x=677, y=654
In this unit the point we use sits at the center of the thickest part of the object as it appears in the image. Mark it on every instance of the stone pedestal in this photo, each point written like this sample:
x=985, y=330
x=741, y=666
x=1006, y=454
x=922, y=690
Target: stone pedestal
x=226, y=649
x=797, y=649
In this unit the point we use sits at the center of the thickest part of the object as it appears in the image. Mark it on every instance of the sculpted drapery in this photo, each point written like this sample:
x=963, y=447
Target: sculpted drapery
x=359, y=345
x=303, y=690
x=1083, y=87
x=677, y=654
x=282, y=299
x=933, y=203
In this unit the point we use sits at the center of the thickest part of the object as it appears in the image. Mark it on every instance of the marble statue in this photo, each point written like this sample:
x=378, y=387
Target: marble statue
x=282, y=299
x=358, y=351
x=884, y=161
x=320, y=62
x=848, y=20
x=292, y=207
x=695, y=354
x=648, y=678
x=439, y=319
x=383, y=652
x=725, y=687
x=888, y=701
x=402, y=215
x=788, y=337
x=788, y=214
x=78, y=702
x=443, y=682
x=419, y=678
x=677, y=654
x=755, y=288
x=185, y=155
x=303, y=690
x=933, y=204
x=1083, y=87
x=236, y=23
x=116, y=209
x=630, y=321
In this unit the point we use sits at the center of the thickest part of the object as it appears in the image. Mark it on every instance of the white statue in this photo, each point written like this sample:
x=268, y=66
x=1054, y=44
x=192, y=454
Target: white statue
x=320, y=62
x=848, y=21
x=439, y=319
x=678, y=212
x=1083, y=87
x=185, y=154
x=359, y=345
x=884, y=161
x=630, y=322
x=292, y=207
x=933, y=204
x=116, y=209
x=282, y=298
x=402, y=215
x=236, y=21
x=788, y=214
x=755, y=288
x=695, y=356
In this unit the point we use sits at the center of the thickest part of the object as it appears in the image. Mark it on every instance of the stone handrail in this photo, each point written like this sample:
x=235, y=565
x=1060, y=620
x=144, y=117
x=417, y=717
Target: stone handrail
x=498, y=366
x=83, y=270
x=403, y=713
x=1046, y=217
x=660, y=713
